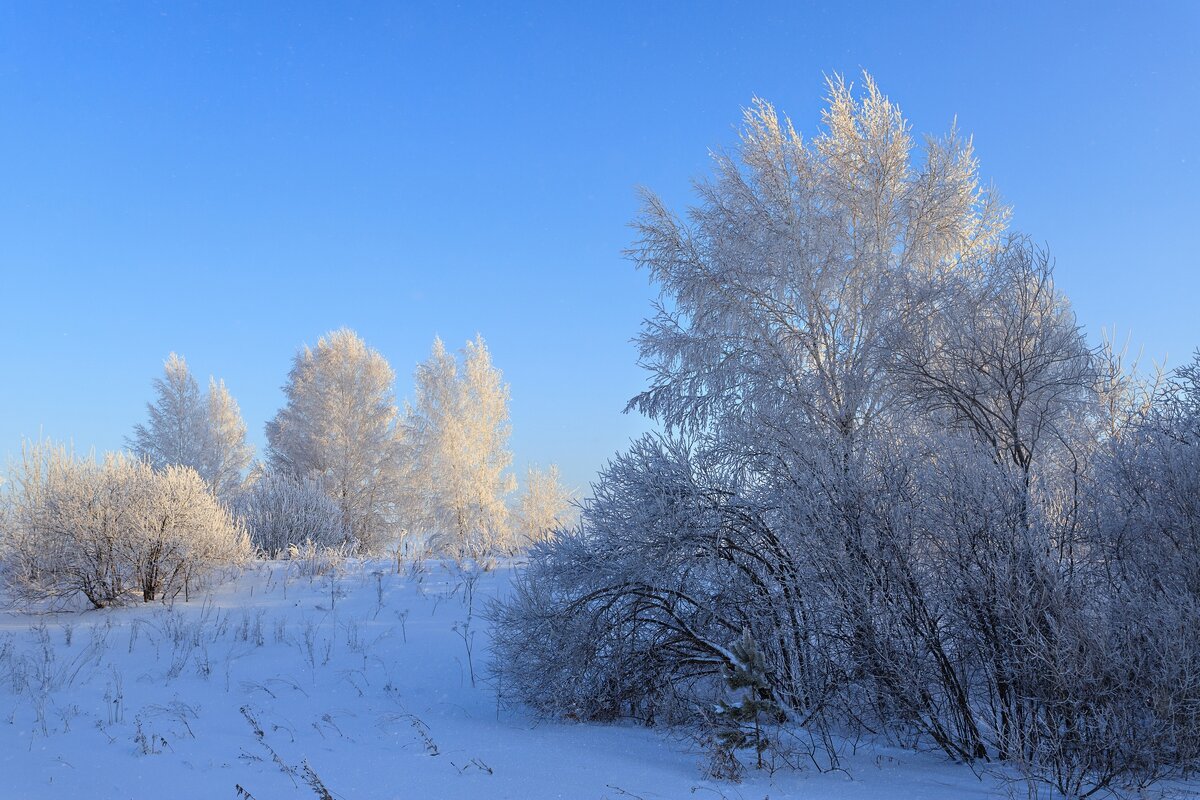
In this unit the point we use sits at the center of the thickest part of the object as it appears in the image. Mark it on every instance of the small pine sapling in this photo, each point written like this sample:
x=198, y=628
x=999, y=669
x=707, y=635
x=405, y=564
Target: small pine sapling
x=740, y=723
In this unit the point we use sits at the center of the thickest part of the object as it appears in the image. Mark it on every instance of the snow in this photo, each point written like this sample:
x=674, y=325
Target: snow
x=365, y=678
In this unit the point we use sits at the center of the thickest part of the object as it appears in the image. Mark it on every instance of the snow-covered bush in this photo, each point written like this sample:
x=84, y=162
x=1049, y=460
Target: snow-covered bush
x=106, y=530
x=281, y=511
x=561, y=649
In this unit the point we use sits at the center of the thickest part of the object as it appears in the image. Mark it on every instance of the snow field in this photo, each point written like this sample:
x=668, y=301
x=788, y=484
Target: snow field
x=365, y=684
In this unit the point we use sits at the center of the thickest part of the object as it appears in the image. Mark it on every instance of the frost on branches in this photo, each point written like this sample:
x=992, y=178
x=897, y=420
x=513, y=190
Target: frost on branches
x=892, y=463
x=186, y=429
x=109, y=531
x=340, y=426
x=545, y=506
x=281, y=512
x=456, y=435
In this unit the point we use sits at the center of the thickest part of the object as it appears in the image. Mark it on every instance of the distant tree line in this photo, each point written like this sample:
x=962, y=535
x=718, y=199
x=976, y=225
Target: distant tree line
x=896, y=491
x=346, y=469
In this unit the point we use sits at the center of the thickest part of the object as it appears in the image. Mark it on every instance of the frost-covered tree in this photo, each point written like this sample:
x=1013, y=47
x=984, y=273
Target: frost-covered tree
x=544, y=507
x=226, y=455
x=998, y=350
x=1151, y=518
x=186, y=428
x=782, y=289
x=771, y=361
x=175, y=430
x=890, y=460
x=107, y=530
x=280, y=511
x=340, y=425
x=457, y=433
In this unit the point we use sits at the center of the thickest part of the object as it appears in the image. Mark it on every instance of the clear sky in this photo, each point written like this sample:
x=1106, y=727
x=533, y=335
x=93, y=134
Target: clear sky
x=231, y=180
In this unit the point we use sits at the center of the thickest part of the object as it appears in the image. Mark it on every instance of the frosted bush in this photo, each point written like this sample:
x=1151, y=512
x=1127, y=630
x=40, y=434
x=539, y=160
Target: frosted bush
x=282, y=512
x=109, y=530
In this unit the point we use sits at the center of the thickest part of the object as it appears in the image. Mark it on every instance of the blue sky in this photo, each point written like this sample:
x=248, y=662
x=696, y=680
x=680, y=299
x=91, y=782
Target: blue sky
x=230, y=181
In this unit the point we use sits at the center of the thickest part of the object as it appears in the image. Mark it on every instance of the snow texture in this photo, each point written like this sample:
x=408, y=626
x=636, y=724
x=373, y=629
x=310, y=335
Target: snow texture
x=360, y=682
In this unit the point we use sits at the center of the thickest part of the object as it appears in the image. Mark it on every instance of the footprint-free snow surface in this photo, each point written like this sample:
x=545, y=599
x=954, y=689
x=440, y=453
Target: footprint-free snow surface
x=277, y=685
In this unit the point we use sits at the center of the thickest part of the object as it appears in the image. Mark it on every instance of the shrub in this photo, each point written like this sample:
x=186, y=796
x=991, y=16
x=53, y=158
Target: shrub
x=281, y=512
x=106, y=530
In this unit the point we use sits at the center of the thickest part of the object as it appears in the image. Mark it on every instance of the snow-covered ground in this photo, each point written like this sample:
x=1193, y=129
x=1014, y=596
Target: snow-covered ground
x=275, y=685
